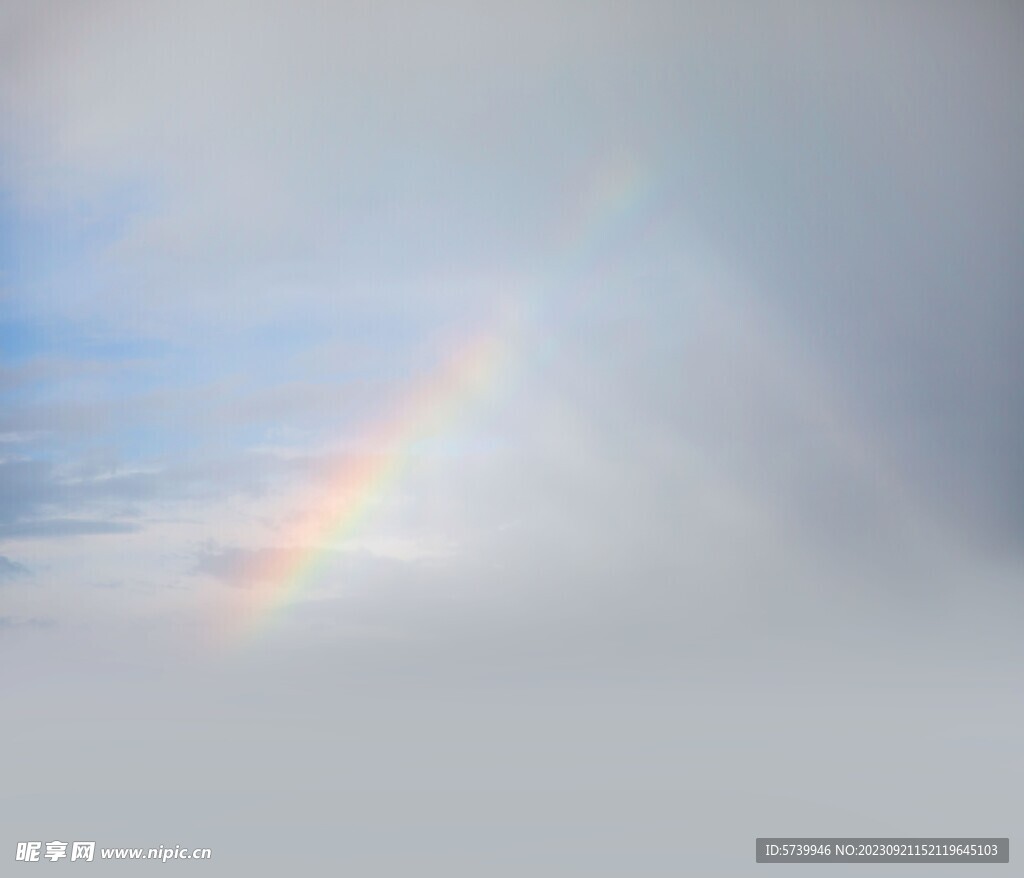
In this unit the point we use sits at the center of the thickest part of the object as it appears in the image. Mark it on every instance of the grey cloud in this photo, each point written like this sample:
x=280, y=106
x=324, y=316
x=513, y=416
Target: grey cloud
x=33, y=493
x=11, y=623
x=39, y=501
x=871, y=205
x=64, y=527
x=233, y=565
x=11, y=569
x=751, y=497
x=236, y=565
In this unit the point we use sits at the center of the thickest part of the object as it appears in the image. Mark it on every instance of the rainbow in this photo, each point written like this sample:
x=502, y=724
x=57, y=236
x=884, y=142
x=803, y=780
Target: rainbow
x=619, y=201
x=352, y=484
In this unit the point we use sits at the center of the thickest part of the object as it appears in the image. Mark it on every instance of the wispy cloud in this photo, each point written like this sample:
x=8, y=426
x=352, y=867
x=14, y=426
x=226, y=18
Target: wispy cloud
x=11, y=569
x=11, y=623
x=64, y=527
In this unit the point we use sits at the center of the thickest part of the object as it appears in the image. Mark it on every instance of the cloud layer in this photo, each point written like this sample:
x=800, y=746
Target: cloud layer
x=744, y=494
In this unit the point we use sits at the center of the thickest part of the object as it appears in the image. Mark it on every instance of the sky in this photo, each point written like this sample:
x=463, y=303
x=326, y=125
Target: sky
x=566, y=438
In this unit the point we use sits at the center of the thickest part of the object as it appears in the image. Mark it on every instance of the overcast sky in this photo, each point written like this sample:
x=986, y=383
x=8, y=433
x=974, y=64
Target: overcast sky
x=687, y=339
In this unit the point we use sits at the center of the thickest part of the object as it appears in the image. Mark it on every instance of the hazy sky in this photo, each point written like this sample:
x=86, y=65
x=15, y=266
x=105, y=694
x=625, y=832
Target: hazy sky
x=479, y=439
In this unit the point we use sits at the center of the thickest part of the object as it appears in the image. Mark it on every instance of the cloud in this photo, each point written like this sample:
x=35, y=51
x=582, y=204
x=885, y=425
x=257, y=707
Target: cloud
x=11, y=569
x=103, y=496
x=358, y=566
x=34, y=491
x=11, y=623
x=800, y=344
x=236, y=565
x=64, y=527
x=757, y=434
